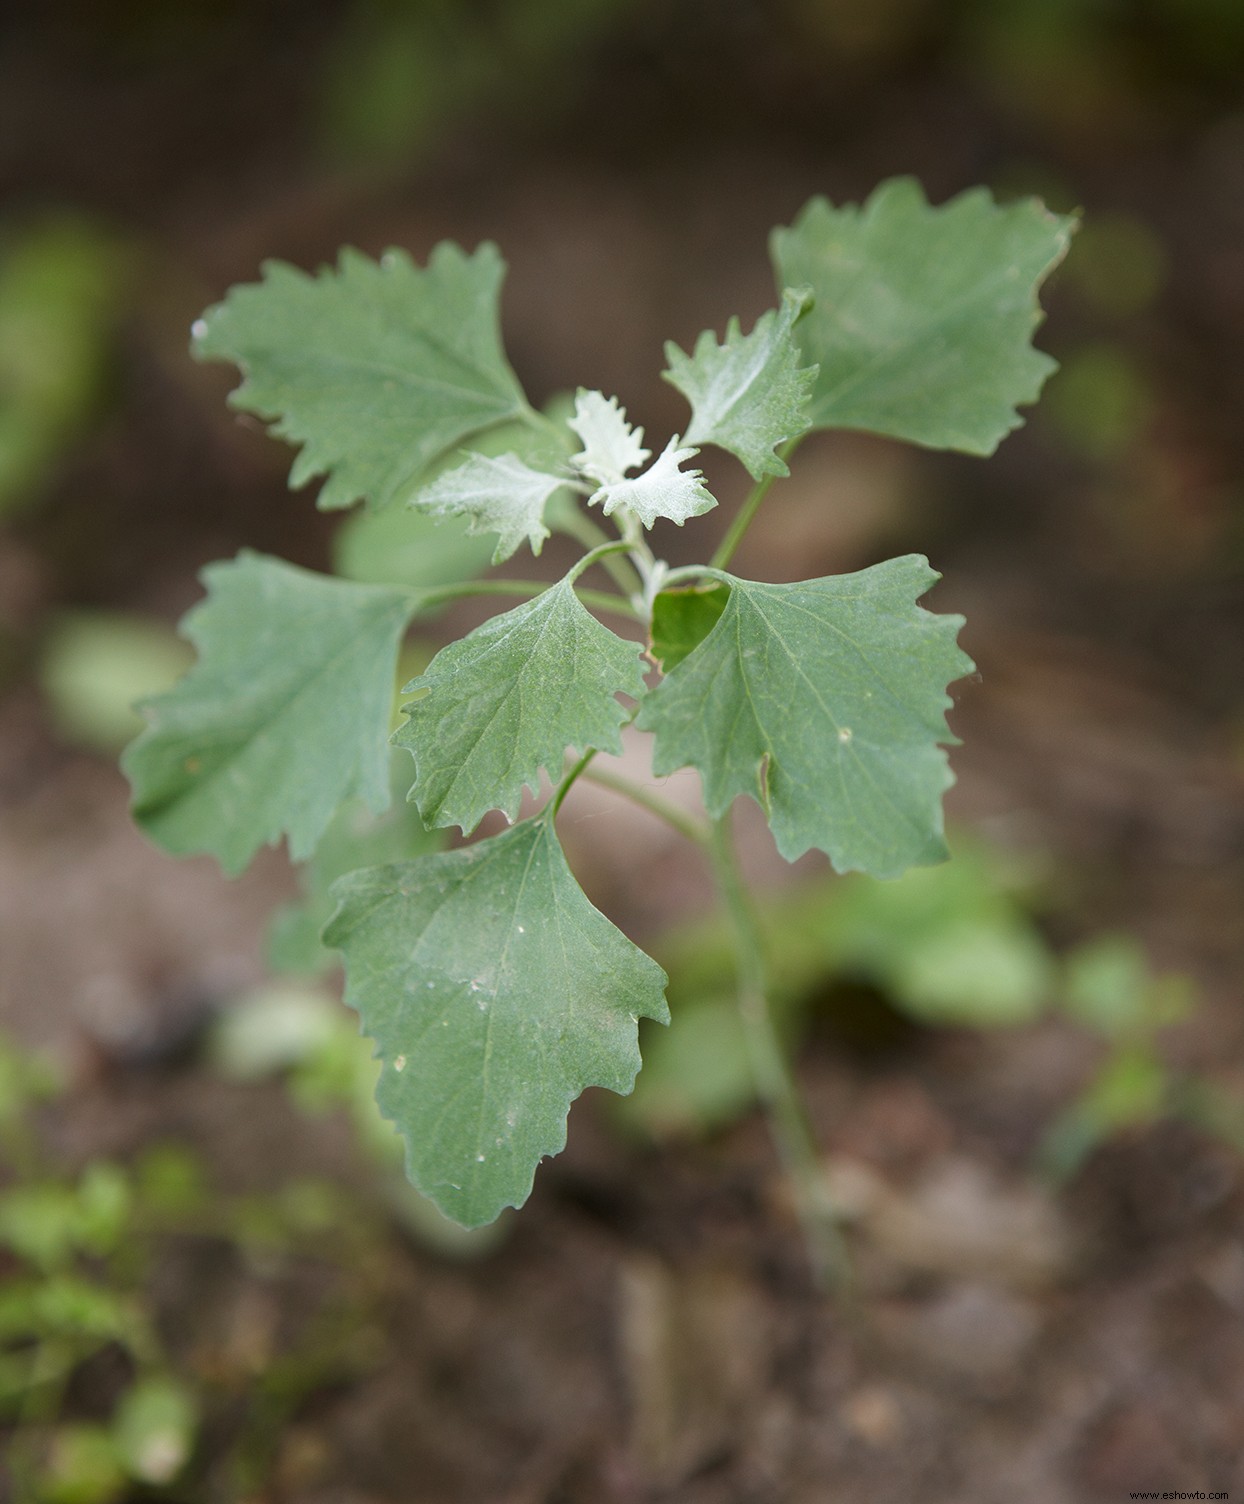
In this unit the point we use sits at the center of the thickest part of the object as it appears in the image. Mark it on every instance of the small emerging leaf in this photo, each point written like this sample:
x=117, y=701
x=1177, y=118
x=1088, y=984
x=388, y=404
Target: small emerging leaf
x=611, y=446
x=663, y=490
x=923, y=316
x=751, y=393
x=495, y=994
x=825, y=701
x=682, y=619
x=499, y=494
x=375, y=369
x=284, y=716
x=508, y=699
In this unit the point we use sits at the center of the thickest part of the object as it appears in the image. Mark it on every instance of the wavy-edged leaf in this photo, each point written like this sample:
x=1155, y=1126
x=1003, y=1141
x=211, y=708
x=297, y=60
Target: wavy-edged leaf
x=508, y=699
x=499, y=494
x=664, y=489
x=495, y=994
x=923, y=318
x=751, y=393
x=285, y=715
x=824, y=701
x=374, y=368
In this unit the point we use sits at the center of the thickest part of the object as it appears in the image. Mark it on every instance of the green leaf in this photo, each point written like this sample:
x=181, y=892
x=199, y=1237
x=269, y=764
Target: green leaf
x=825, y=701
x=681, y=620
x=508, y=699
x=664, y=489
x=284, y=717
x=376, y=368
x=495, y=993
x=154, y=1428
x=399, y=547
x=354, y=838
x=499, y=494
x=948, y=945
x=923, y=316
x=751, y=393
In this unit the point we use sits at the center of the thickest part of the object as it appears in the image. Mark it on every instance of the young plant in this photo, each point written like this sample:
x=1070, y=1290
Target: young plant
x=493, y=990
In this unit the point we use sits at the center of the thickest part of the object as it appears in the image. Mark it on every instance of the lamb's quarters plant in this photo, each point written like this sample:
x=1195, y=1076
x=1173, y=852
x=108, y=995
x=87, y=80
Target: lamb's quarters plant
x=492, y=988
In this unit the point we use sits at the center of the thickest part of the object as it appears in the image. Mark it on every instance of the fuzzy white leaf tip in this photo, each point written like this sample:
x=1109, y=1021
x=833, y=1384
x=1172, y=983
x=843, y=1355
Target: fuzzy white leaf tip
x=611, y=446
x=665, y=489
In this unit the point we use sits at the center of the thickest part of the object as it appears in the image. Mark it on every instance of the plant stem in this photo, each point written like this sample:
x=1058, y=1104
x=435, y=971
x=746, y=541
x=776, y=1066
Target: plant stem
x=601, y=599
x=563, y=788
x=743, y=519
x=771, y=1073
x=664, y=809
x=583, y=530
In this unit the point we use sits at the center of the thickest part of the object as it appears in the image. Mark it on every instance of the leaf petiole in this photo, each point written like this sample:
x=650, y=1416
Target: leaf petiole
x=743, y=519
x=549, y=812
x=601, y=600
x=678, y=819
x=582, y=529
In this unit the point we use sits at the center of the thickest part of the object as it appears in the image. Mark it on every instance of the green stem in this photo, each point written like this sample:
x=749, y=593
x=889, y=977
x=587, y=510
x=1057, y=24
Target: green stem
x=602, y=600
x=563, y=788
x=771, y=1072
x=583, y=530
x=679, y=819
x=743, y=519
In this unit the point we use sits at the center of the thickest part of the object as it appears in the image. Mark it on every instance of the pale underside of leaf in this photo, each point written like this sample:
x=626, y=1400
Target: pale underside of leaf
x=283, y=718
x=664, y=489
x=508, y=700
x=923, y=317
x=751, y=393
x=374, y=368
x=500, y=494
x=495, y=993
x=825, y=702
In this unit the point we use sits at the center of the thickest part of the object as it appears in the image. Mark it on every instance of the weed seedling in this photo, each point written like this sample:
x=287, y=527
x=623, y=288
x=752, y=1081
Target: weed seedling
x=493, y=990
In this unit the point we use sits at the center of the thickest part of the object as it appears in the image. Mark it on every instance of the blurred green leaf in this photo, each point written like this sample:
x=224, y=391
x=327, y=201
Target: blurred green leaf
x=271, y=1029
x=403, y=547
x=82, y=1467
x=26, y=1078
x=948, y=944
x=697, y=1074
x=65, y=1306
x=169, y=1181
x=1100, y=400
x=1131, y=1088
x=153, y=1429
x=1110, y=988
x=355, y=838
x=49, y=1224
x=1119, y=266
x=61, y=286
x=95, y=666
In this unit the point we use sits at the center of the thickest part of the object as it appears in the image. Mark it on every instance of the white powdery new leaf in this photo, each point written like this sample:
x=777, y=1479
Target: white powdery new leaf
x=499, y=494
x=663, y=490
x=611, y=446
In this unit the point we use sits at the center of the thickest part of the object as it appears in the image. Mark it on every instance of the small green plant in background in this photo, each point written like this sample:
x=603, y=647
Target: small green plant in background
x=952, y=947
x=100, y=1394
x=494, y=992
x=72, y=1290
